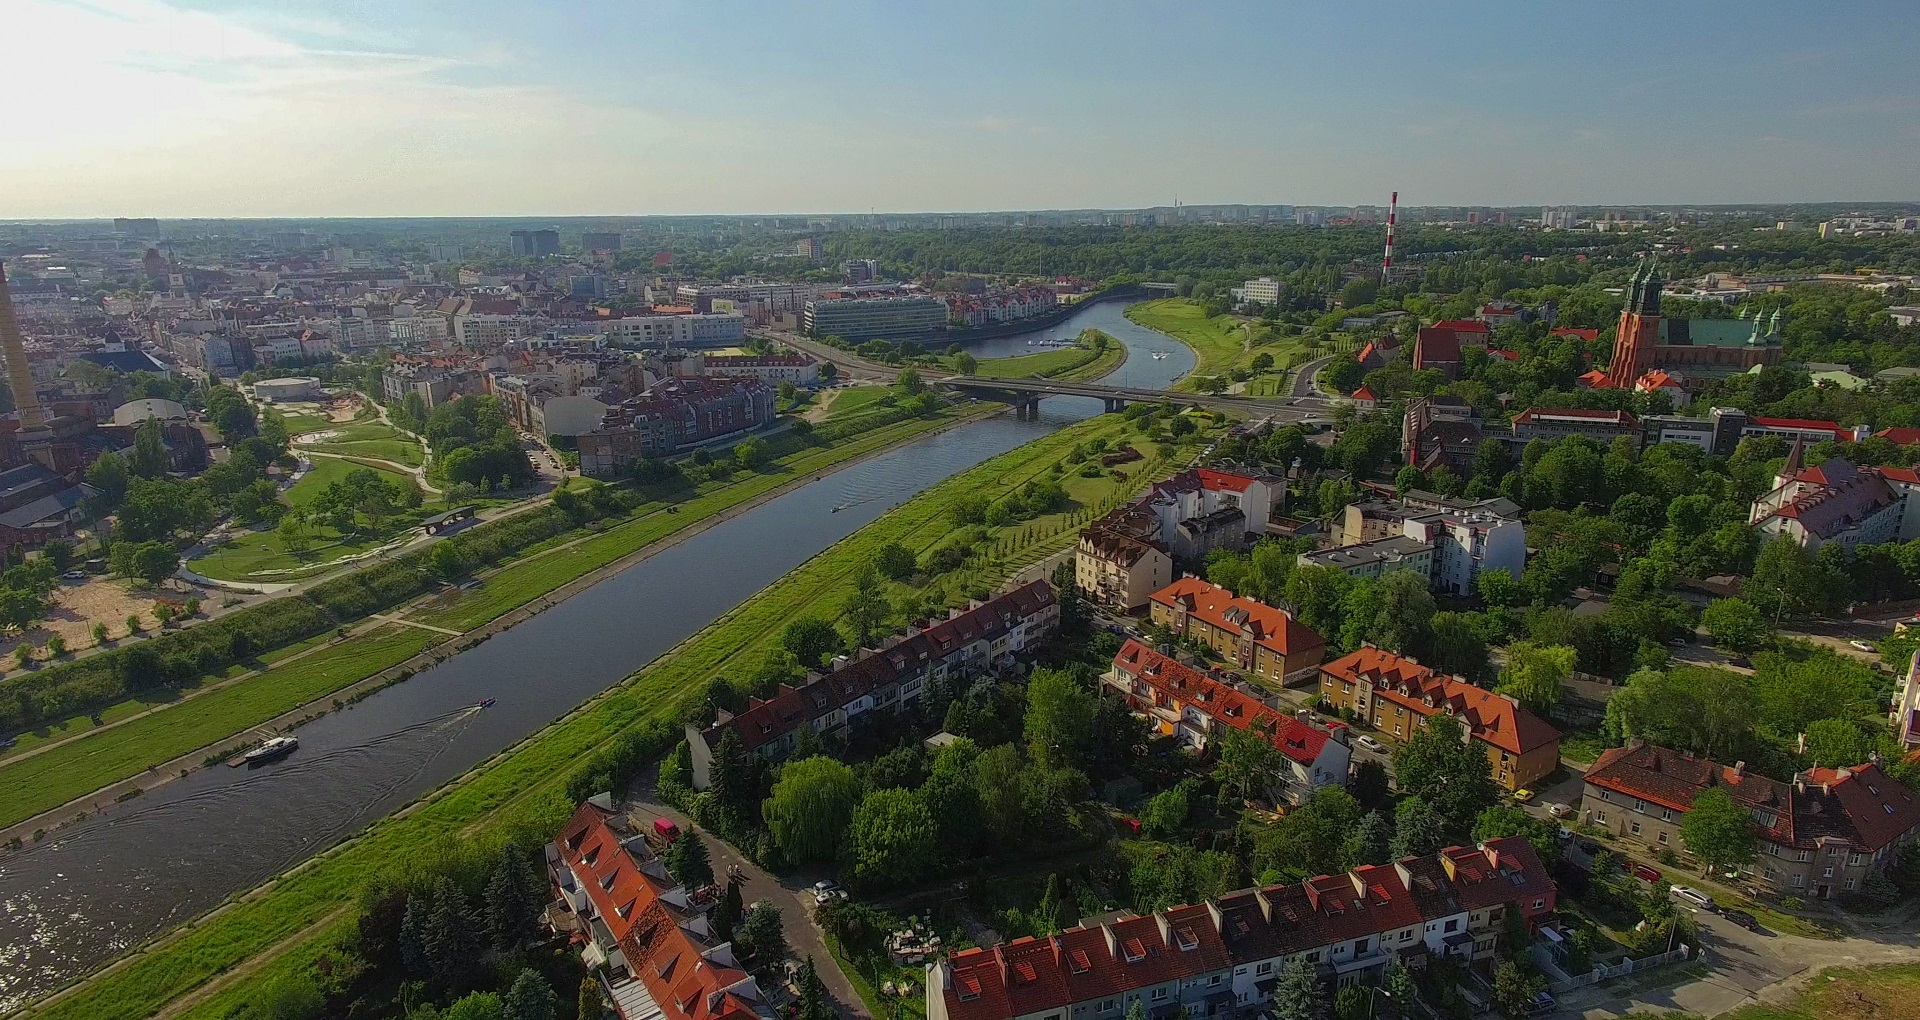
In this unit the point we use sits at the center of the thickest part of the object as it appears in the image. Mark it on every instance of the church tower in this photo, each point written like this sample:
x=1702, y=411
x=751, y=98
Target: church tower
x=1639, y=331
x=19, y=374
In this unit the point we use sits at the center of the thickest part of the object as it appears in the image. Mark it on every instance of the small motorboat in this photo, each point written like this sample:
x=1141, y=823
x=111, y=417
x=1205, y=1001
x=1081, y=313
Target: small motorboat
x=273, y=749
x=486, y=703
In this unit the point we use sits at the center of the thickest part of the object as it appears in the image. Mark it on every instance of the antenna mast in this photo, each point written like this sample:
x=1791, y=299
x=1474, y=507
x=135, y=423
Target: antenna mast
x=1386, y=264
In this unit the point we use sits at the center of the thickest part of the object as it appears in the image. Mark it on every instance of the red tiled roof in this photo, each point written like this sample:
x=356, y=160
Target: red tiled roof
x=1533, y=414
x=1595, y=380
x=1463, y=326
x=1656, y=380
x=1491, y=717
x=1672, y=779
x=1879, y=808
x=1900, y=437
x=1437, y=345
x=1223, y=480
x=1906, y=475
x=1275, y=629
x=1364, y=394
x=1574, y=331
x=1225, y=704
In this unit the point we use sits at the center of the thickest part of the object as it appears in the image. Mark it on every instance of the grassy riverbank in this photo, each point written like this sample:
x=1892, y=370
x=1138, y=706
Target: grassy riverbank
x=286, y=925
x=1222, y=343
x=61, y=774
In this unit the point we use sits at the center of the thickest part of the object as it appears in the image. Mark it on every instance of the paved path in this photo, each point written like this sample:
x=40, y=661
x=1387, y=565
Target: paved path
x=789, y=894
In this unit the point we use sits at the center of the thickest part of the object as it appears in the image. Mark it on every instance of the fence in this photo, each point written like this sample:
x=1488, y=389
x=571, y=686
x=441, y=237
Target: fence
x=1607, y=972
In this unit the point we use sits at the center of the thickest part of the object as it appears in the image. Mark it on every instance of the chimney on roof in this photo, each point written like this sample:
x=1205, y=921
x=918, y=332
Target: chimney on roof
x=1000, y=958
x=1739, y=768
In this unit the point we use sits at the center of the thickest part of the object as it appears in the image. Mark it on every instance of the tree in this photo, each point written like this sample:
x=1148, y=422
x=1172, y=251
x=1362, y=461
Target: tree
x=894, y=561
x=1511, y=820
x=1498, y=588
x=1534, y=674
x=909, y=383
x=294, y=533
x=810, y=640
x=762, y=931
x=151, y=562
x=996, y=774
x=477, y=1006
x=1060, y=714
x=1514, y=986
x=866, y=608
x=150, y=459
x=1735, y=624
x=531, y=998
x=445, y=561
x=592, y=1005
x=730, y=912
x=751, y=453
x=1370, y=841
x=1439, y=765
x=810, y=807
x=1246, y=762
x=447, y=937
x=510, y=902
x=1837, y=743
x=1717, y=830
x=1297, y=995
x=815, y=1004
x=687, y=861
x=966, y=364
x=895, y=840
x=1456, y=644
x=288, y=997
x=1419, y=829
x=1783, y=577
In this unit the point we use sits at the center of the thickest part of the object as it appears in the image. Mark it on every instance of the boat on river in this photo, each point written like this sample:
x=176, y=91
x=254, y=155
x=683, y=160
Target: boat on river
x=273, y=750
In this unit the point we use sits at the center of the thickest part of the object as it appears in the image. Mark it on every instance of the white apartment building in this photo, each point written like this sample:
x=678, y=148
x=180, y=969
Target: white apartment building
x=481, y=330
x=1468, y=543
x=1262, y=291
x=417, y=330
x=716, y=329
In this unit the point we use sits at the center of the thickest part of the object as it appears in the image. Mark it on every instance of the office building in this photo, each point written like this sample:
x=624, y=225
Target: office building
x=534, y=243
x=871, y=318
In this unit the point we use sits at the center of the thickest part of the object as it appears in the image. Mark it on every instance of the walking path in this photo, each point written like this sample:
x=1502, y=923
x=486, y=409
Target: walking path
x=416, y=623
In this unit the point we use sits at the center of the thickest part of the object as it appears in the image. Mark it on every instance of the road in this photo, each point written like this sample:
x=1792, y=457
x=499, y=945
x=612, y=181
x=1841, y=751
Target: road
x=1306, y=379
x=790, y=895
x=852, y=365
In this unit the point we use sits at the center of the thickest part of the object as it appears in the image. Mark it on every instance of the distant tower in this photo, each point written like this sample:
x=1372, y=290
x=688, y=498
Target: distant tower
x=1386, y=264
x=19, y=373
x=1639, y=331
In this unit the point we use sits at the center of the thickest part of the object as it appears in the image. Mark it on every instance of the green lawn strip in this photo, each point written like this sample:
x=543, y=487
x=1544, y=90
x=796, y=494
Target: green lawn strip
x=399, y=451
x=73, y=770
x=250, y=555
x=1846, y=993
x=326, y=471
x=525, y=789
x=298, y=422
x=1219, y=342
x=1043, y=364
x=867, y=973
x=359, y=432
x=856, y=400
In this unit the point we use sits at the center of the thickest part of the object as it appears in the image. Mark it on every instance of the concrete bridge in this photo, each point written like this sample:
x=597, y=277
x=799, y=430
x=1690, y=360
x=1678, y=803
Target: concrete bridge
x=1025, y=394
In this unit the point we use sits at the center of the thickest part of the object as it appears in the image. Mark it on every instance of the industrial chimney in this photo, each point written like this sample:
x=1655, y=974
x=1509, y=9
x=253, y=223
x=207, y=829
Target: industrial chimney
x=19, y=373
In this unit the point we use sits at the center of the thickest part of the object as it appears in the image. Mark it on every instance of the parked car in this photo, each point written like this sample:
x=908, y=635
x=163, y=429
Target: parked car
x=1695, y=898
x=1744, y=920
x=1862, y=645
x=1740, y=660
x=826, y=891
x=1559, y=810
x=1371, y=744
x=1541, y=1004
x=1563, y=834
x=1646, y=874
x=1523, y=795
x=1589, y=847
x=74, y=575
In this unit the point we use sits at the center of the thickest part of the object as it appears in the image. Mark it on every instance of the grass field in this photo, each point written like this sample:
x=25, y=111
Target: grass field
x=61, y=774
x=857, y=400
x=261, y=555
x=1219, y=342
x=375, y=440
x=1867, y=993
x=293, y=919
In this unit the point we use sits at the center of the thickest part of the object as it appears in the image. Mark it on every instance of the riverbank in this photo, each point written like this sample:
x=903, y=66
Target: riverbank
x=64, y=784
x=1223, y=343
x=292, y=919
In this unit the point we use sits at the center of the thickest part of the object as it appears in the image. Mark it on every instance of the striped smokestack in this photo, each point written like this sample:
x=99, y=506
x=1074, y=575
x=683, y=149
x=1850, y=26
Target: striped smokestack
x=1386, y=264
x=19, y=373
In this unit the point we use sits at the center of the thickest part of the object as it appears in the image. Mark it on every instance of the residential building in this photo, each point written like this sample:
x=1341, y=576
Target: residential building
x=1555, y=423
x=1838, y=503
x=868, y=318
x=1224, y=957
x=1452, y=541
x=1265, y=291
x=1377, y=558
x=482, y=331
x=674, y=415
x=999, y=305
x=765, y=298
x=808, y=248
x=774, y=369
x=1906, y=706
x=1441, y=346
x=1395, y=694
x=1118, y=563
x=1256, y=638
x=533, y=243
x=713, y=329
x=1438, y=432
x=1203, y=509
x=645, y=938
x=608, y=242
x=986, y=637
x=1193, y=706
x=1823, y=835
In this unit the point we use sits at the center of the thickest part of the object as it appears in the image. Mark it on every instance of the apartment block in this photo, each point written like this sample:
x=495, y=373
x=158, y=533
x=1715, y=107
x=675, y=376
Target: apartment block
x=1823, y=835
x=986, y=637
x=674, y=415
x=1396, y=695
x=1258, y=639
x=869, y=318
x=1224, y=957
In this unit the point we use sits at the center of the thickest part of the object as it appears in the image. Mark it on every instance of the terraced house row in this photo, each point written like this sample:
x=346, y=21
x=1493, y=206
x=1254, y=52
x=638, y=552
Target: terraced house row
x=1224, y=957
x=986, y=636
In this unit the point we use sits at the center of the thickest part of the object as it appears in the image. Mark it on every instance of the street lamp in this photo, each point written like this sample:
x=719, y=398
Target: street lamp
x=1377, y=992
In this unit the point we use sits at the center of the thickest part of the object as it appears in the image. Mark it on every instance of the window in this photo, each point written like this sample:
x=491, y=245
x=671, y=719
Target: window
x=1159, y=993
x=1666, y=814
x=1313, y=957
x=1453, y=925
x=1634, y=828
x=1360, y=947
x=1432, y=927
x=1640, y=805
x=1212, y=980
x=1826, y=872
x=1407, y=936
x=1600, y=817
x=1803, y=855
x=1108, y=1005
x=1663, y=836
x=1799, y=880
x=1604, y=795
x=1265, y=967
x=1855, y=860
x=1849, y=883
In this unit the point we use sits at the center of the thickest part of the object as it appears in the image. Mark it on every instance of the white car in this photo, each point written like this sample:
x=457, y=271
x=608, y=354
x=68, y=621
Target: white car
x=1694, y=898
x=1861, y=645
x=1371, y=744
x=826, y=891
x=1559, y=810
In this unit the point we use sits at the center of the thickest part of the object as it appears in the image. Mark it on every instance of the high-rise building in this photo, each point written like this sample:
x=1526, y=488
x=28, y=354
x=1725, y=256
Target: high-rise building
x=1639, y=333
x=534, y=243
x=143, y=228
x=600, y=242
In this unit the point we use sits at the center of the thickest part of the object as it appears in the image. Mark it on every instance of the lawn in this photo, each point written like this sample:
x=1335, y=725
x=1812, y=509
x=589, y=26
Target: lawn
x=1867, y=993
x=261, y=554
x=372, y=439
x=73, y=770
x=1221, y=342
x=293, y=918
x=326, y=471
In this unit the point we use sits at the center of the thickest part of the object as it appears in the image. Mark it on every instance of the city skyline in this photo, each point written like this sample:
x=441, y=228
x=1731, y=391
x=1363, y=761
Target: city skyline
x=233, y=109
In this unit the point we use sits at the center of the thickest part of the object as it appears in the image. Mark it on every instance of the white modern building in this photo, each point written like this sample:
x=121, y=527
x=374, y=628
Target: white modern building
x=715, y=329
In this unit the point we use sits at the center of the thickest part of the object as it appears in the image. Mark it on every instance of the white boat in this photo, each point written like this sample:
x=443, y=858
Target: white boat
x=274, y=748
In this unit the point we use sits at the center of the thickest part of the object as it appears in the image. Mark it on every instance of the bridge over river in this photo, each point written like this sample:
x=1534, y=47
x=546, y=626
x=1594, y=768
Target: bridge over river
x=1025, y=394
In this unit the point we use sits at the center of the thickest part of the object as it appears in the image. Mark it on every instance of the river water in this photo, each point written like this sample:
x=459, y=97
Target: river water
x=94, y=890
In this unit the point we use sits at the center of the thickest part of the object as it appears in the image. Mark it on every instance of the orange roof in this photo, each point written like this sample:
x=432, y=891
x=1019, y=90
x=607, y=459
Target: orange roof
x=1494, y=718
x=1364, y=394
x=1656, y=380
x=1595, y=379
x=1271, y=628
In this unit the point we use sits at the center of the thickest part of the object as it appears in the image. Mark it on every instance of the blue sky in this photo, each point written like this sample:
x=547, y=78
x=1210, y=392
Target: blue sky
x=181, y=108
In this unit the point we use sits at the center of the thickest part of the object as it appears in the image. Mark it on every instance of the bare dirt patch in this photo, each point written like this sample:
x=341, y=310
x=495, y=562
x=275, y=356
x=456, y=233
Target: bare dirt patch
x=822, y=403
x=77, y=606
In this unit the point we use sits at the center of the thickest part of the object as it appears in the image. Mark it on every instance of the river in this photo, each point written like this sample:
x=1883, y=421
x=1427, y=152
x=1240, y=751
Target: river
x=94, y=890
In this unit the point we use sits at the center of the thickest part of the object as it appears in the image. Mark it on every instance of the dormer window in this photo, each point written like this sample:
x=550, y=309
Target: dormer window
x=1186, y=939
x=1134, y=950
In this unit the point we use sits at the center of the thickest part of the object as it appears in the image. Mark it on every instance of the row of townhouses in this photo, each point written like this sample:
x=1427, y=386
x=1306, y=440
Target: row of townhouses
x=1225, y=956
x=986, y=636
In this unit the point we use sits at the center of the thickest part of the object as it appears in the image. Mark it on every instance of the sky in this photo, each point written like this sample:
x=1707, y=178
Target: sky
x=183, y=108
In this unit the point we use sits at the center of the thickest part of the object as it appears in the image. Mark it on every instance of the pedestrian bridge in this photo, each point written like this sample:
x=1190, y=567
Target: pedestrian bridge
x=1025, y=394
